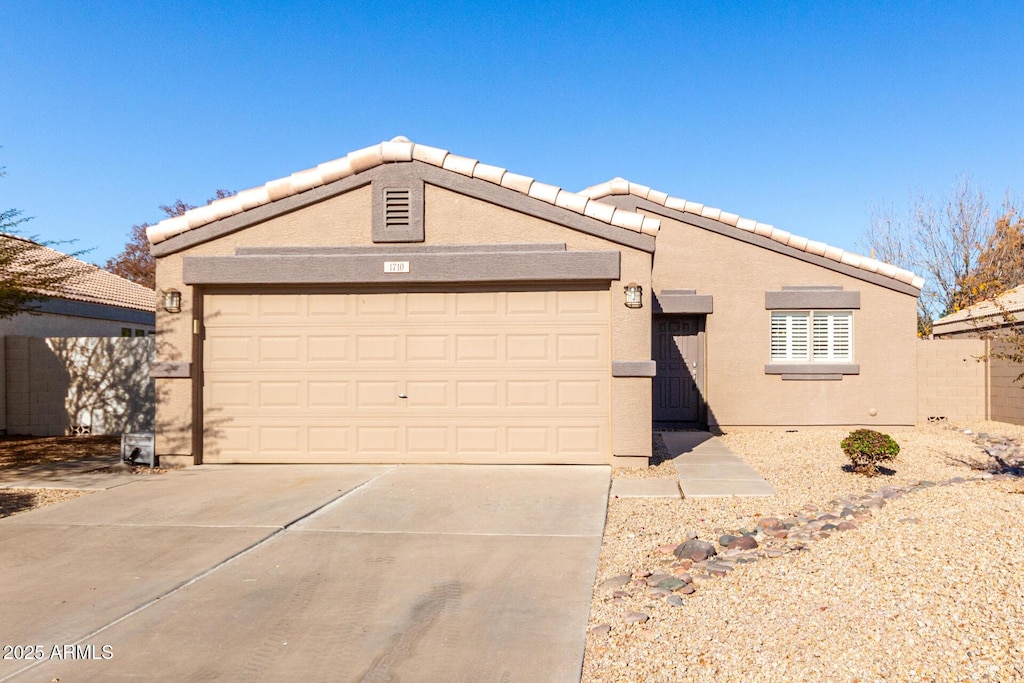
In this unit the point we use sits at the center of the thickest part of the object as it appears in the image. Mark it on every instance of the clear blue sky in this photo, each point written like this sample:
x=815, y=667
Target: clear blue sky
x=803, y=115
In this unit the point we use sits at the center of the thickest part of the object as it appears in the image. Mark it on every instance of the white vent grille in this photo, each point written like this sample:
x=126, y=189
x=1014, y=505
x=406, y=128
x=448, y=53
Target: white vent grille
x=397, y=208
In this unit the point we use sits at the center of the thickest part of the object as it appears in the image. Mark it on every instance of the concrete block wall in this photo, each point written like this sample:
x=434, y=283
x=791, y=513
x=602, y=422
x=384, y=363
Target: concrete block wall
x=1007, y=395
x=56, y=383
x=951, y=382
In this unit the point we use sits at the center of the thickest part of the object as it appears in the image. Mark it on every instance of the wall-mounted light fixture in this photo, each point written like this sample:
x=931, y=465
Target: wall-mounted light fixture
x=634, y=295
x=172, y=301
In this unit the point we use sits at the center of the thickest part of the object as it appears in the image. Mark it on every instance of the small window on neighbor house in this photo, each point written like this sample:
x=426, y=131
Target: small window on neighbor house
x=126, y=331
x=140, y=333
x=812, y=336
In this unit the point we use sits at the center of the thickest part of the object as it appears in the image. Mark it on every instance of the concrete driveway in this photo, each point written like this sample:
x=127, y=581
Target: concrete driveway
x=308, y=573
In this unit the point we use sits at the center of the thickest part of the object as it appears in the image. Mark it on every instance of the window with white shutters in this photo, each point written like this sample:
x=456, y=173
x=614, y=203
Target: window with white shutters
x=812, y=336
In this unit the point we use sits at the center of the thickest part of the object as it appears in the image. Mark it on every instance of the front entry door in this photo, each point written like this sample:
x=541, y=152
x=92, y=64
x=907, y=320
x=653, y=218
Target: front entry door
x=677, y=346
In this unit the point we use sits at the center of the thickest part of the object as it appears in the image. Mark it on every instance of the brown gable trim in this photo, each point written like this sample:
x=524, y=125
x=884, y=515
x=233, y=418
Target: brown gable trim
x=448, y=180
x=259, y=214
x=635, y=203
x=557, y=266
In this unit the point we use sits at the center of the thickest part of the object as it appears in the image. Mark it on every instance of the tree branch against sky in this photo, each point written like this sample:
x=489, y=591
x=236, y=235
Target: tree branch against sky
x=942, y=240
x=135, y=263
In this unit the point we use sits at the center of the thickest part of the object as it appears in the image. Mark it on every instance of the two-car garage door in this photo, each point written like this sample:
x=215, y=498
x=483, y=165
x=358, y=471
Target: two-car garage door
x=476, y=376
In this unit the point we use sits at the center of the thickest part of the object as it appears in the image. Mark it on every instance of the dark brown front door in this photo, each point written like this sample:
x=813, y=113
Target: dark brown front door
x=677, y=346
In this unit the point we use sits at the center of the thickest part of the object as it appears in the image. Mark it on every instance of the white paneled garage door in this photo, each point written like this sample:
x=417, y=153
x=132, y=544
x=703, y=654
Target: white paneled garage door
x=481, y=376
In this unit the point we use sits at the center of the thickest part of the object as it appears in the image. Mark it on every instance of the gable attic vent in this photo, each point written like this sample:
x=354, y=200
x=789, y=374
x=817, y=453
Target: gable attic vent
x=397, y=206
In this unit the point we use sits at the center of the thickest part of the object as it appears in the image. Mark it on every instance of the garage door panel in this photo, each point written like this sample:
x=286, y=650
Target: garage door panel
x=328, y=349
x=488, y=377
x=476, y=347
x=281, y=349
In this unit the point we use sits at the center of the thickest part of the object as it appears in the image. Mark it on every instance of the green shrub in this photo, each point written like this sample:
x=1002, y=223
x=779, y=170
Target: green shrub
x=866, y=448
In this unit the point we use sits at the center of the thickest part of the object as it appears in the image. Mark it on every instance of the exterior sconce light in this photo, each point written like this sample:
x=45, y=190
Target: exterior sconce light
x=172, y=301
x=634, y=295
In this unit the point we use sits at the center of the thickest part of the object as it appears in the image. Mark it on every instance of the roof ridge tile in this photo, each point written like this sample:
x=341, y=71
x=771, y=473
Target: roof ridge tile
x=621, y=186
x=398, y=149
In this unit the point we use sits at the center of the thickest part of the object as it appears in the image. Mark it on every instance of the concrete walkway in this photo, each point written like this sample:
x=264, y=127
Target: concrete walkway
x=79, y=474
x=708, y=469
x=287, y=573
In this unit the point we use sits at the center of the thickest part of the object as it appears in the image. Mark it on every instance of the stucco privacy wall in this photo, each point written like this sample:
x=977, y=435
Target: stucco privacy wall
x=737, y=390
x=951, y=383
x=450, y=218
x=54, y=325
x=98, y=382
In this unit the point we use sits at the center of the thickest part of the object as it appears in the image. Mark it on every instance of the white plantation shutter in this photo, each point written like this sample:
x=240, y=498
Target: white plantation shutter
x=790, y=338
x=833, y=336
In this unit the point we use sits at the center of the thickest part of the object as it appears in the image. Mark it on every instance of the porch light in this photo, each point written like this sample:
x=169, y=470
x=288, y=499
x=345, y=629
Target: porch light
x=172, y=300
x=634, y=295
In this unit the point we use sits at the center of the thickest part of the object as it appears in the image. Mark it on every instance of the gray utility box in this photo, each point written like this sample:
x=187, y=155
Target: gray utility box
x=139, y=448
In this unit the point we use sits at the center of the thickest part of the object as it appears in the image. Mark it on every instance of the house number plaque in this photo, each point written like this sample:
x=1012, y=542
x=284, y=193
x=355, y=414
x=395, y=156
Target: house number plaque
x=396, y=266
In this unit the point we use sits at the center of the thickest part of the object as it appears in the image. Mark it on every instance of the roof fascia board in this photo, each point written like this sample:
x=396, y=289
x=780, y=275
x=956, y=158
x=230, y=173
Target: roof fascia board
x=87, y=309
x=449, y=180
x=634, y=203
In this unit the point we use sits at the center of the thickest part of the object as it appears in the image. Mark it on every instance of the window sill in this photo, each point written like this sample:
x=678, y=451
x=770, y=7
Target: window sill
x=812, y=371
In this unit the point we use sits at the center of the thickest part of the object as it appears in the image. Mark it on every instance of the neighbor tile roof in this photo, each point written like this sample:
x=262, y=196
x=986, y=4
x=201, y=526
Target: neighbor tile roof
x=86, y=282
x=398, y=150
x=1010, y=301
x=620, y=186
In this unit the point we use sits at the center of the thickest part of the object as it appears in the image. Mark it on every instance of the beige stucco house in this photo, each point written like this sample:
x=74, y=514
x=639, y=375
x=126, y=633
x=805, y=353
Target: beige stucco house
x=405, y=304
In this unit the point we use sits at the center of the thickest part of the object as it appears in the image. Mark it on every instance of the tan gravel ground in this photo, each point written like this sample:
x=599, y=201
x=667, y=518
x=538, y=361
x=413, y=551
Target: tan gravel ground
x=929, y=588
x=13, y=501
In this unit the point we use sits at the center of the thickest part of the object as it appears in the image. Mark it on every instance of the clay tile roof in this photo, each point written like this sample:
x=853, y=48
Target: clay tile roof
x=619, y=186
x=399, y=149
x=87, y=282
x=1011, y=301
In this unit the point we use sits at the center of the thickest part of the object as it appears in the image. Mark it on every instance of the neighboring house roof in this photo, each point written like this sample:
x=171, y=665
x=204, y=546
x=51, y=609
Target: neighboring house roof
x=620, y=186
x=398, y=150
x=88, y=283
x=984, y=314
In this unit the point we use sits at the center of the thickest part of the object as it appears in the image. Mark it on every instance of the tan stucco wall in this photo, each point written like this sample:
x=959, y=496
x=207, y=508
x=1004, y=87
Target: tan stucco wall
x=738, y=392
x=951, y=382
x=449, y=218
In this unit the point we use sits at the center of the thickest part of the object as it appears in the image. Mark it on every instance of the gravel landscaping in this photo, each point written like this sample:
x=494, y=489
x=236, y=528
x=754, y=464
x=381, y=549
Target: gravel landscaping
x=917, y=574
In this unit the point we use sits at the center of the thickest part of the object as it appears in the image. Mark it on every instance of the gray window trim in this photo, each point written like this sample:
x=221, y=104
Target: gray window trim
x=812, y=369
x=819, y=298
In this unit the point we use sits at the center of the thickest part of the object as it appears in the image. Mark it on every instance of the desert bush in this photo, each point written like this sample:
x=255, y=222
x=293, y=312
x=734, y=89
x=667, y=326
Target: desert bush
x=866, y=448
